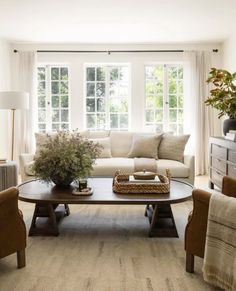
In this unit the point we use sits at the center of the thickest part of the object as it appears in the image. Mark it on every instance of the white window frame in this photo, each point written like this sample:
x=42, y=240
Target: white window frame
x=107, y=86
x=166, y=107
x=48, y=95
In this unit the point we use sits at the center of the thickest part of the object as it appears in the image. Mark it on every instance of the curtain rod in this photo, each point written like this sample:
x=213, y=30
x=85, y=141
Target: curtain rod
x=111, y=51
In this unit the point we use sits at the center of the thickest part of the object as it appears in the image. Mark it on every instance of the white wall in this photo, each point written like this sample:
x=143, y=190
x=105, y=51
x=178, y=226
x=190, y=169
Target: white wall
x=229, y=56
x=5, y=65
x=137, y=62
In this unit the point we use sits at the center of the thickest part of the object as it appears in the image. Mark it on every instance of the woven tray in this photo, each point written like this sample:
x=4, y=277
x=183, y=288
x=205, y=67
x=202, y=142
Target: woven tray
x=121, y=185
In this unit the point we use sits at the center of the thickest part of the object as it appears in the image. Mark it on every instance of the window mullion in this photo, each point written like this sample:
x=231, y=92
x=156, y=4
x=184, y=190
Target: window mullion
x=165, y=99
x=48, y=97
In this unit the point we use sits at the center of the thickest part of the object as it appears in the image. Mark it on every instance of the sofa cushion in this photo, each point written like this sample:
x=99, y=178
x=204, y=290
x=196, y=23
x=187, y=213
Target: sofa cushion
x=177, y=169
x=121, y=142
x=172, y=147
x=108, y=167
x=106, y=146
x=145, y=146
x=98, y=134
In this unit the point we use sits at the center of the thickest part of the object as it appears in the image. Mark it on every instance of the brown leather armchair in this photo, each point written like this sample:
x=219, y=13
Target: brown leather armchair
x=12, y=227
x=195, y=232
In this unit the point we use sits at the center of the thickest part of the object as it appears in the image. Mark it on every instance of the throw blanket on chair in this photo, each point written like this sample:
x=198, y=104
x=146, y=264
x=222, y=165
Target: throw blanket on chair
x=219, y=267
x=147, y=164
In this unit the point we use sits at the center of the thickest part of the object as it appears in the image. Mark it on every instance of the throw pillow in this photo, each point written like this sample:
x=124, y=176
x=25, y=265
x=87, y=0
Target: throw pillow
x=106, y=146
x=145, y=146
x=172, y=147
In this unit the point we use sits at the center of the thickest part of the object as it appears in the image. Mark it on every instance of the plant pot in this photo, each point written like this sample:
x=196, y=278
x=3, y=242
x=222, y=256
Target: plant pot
x=62, y=182
x=229, y=124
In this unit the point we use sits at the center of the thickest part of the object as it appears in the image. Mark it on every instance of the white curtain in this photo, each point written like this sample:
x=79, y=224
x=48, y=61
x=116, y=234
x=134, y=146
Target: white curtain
x=26, y=80
x=202, y=121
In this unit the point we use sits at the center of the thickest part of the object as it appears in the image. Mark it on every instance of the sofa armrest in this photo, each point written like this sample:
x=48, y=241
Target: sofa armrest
x=189, y=161
x=195, y=232
x=229, y=186
x=24, y=160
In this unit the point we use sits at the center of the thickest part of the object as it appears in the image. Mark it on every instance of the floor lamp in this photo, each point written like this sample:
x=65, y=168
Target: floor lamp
x=13, y=100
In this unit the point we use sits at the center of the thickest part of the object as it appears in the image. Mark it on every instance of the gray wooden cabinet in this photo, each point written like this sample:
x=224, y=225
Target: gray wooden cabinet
x=222, y=160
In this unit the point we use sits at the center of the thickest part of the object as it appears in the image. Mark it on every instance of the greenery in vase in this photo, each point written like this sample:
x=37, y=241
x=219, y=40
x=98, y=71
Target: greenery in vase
x=66, y=157
x=223, y=95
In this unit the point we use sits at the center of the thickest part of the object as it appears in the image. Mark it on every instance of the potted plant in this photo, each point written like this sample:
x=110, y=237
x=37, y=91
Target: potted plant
x=223, y=96
x=66, y=157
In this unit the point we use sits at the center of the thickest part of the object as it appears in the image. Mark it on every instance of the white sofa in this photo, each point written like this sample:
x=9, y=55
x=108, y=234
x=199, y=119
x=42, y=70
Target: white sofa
x=120, y=144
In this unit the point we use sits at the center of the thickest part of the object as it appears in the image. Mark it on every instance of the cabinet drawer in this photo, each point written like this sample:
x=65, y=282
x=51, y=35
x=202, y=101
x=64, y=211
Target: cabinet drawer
x=219, y=165
x=219, y=151
x=232, y=156
x=232, y=171
x=216, y=178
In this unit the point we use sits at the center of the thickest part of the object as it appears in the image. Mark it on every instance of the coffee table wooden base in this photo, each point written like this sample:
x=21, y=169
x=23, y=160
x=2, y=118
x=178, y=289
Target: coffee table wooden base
x=46, y=218
x=162, y=223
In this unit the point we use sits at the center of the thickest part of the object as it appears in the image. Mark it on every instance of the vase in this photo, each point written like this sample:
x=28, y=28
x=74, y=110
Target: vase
x=229, y=124
x=65, y=182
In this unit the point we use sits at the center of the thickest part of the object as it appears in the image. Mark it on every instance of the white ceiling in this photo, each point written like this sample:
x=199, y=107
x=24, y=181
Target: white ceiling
x=117, y=21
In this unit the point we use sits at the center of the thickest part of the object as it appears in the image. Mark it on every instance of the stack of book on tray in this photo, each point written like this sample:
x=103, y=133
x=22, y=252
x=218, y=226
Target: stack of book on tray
x=3, y=161
x=231, y=135
x=133, y=180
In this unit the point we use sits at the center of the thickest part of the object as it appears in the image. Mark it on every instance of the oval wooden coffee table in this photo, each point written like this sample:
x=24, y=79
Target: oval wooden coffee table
x=52, y=202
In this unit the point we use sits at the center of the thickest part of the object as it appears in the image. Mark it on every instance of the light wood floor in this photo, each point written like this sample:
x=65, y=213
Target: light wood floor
x=104, y=248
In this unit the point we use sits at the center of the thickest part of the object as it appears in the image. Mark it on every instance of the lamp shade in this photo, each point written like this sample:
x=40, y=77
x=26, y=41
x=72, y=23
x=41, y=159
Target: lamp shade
x=14, y=100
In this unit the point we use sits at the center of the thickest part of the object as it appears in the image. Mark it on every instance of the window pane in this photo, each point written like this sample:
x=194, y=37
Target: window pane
x=65, y=115
x=173, y=115
x=90, y=105
x=101, y=121
x=90, y=89
x=181, y=129
x=180, y=73
x=41, y=88
x=41, y=74
x=55, y=101
x=55, y=87
x=65, y=126
x=180, y=101
x=64, y=73
x=91, y=121
x=90, y=74
x=64, y=88
x=113, y=90
x=113, y=120
x=123, y=90
x=100, y=91
x=124, y=121
x=114, y=74
x=149, y=116
x=172, y=101
x=180, y=116
x=159, y=115
x=42, y=101
x=124, y=74
x=124, y=105
x=55, y=116
x=42, y=115
x=55, y=126
x=101, y=104
x=55, y=73
x=64, y=101
x=42, y=127
x=172, y=72
x=172, y=87
x=101, y=74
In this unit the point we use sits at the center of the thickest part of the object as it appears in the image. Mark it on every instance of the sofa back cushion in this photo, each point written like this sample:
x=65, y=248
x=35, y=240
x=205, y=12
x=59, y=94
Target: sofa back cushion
x=98, y=134
x=172, y=147
x=145, y=146
x=121, y=142
x=106, y=146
